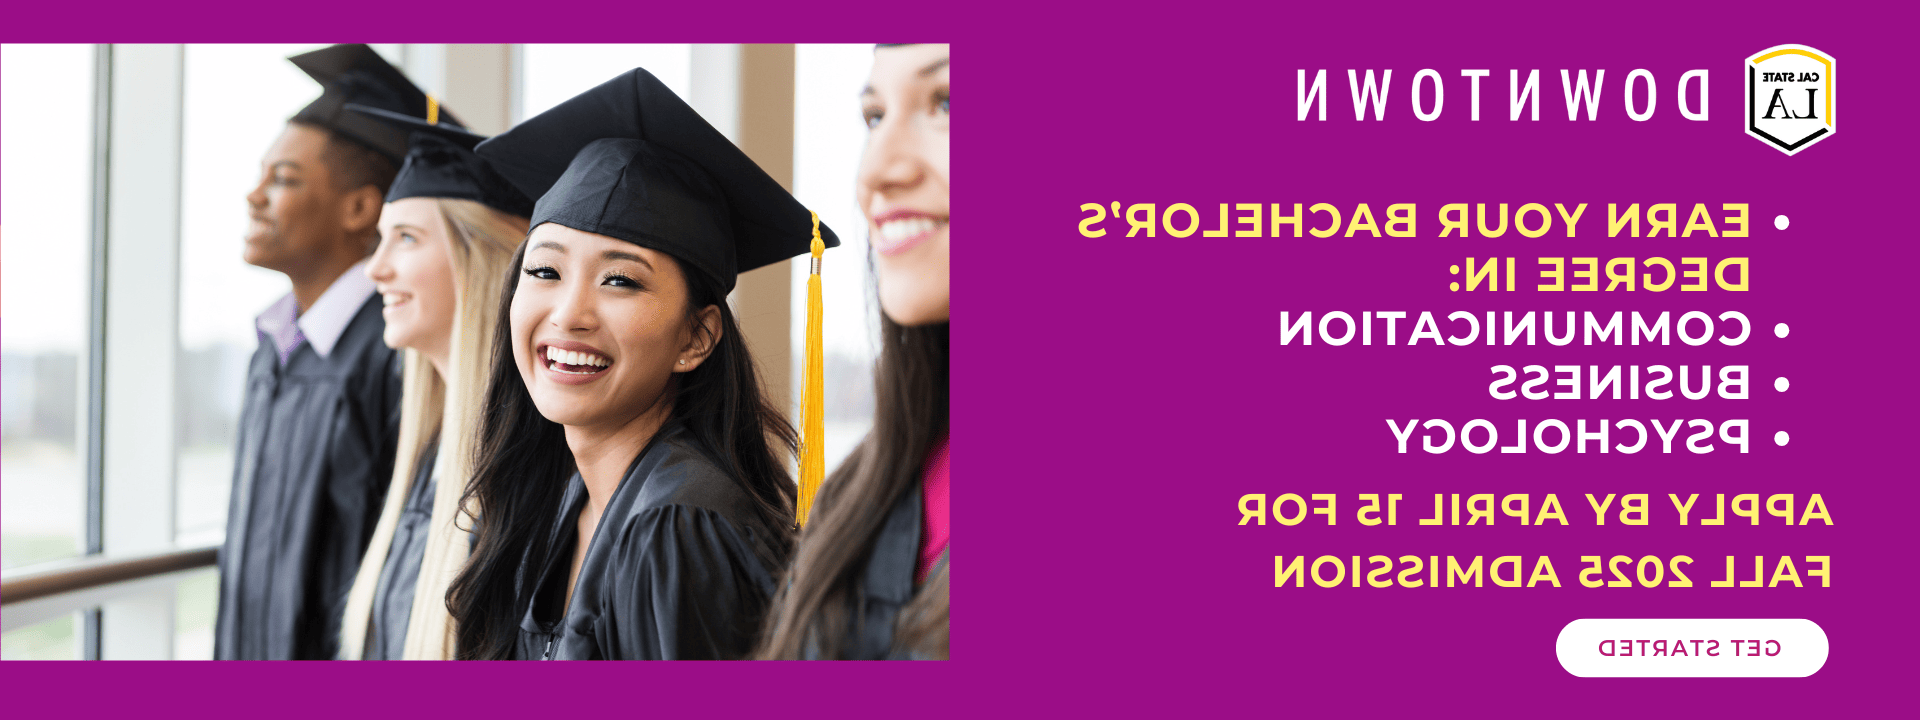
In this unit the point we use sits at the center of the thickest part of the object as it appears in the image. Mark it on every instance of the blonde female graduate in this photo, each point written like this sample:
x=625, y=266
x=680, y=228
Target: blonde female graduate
x=447, y=237
x=869, y=579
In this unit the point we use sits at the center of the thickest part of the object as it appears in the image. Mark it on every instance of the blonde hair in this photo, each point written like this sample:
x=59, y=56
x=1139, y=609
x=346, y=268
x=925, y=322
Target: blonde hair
x=481, y=243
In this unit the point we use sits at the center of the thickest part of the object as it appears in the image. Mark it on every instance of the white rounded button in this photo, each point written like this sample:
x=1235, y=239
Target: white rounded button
x=1591, y=647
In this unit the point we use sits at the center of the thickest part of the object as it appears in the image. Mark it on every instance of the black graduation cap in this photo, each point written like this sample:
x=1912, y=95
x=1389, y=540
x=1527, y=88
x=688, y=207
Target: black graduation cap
x=630, y=160
x=357, y=74
x=441, y=163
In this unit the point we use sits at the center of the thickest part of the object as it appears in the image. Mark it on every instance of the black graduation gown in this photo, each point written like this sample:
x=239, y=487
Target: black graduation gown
x=315, y=457
x=681, y=566
x=393, y=595
x=886, y=584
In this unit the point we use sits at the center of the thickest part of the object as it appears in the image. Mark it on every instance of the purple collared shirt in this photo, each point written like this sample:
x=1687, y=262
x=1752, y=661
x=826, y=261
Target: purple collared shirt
x=322, y=324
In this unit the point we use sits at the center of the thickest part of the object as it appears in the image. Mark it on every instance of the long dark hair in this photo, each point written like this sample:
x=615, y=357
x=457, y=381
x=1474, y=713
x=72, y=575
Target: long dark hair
x=815, y=612
x=523, y=463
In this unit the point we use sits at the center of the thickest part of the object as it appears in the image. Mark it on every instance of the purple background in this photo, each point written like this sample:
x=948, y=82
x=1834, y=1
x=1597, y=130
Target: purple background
x=1115, y=397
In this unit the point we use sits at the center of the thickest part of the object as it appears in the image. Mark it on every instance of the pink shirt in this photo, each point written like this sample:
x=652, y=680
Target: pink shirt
x=935, y=529
x=321, y=325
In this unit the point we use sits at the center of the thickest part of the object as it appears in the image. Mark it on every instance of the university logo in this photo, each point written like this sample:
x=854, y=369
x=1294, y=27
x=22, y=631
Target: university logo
x=1791, y=97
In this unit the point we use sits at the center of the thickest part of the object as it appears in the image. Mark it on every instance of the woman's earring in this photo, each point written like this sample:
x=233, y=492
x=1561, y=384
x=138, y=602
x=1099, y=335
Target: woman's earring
x=683, y=361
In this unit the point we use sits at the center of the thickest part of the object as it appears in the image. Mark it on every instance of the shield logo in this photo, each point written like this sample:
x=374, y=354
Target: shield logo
x=1791, y=97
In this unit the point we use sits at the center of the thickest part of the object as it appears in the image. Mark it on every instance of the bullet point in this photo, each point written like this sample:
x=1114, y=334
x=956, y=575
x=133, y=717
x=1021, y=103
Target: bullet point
x=1780, y=438
x=1780, y=384
x=1779, y=222
x=1780, y=330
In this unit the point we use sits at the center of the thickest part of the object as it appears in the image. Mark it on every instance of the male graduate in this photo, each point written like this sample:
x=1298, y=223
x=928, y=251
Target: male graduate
x=320, y=419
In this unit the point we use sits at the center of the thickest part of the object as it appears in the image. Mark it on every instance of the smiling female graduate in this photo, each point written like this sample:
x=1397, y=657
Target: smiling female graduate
x=631, y=489
x=447, y=237
x=869, y=580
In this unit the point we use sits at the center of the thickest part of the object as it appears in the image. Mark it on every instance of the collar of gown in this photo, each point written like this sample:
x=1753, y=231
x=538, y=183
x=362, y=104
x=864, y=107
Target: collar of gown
x=322, y=324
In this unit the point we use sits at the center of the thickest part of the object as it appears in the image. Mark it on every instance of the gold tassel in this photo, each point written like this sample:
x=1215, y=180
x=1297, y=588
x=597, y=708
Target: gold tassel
x=813, y=459
x=433, y=110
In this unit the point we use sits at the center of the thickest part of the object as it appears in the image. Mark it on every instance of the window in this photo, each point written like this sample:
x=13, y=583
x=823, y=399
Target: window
x=195, y=599
x=829, y=137
x=549, y=74
x=51, y=640
x=46, y=125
